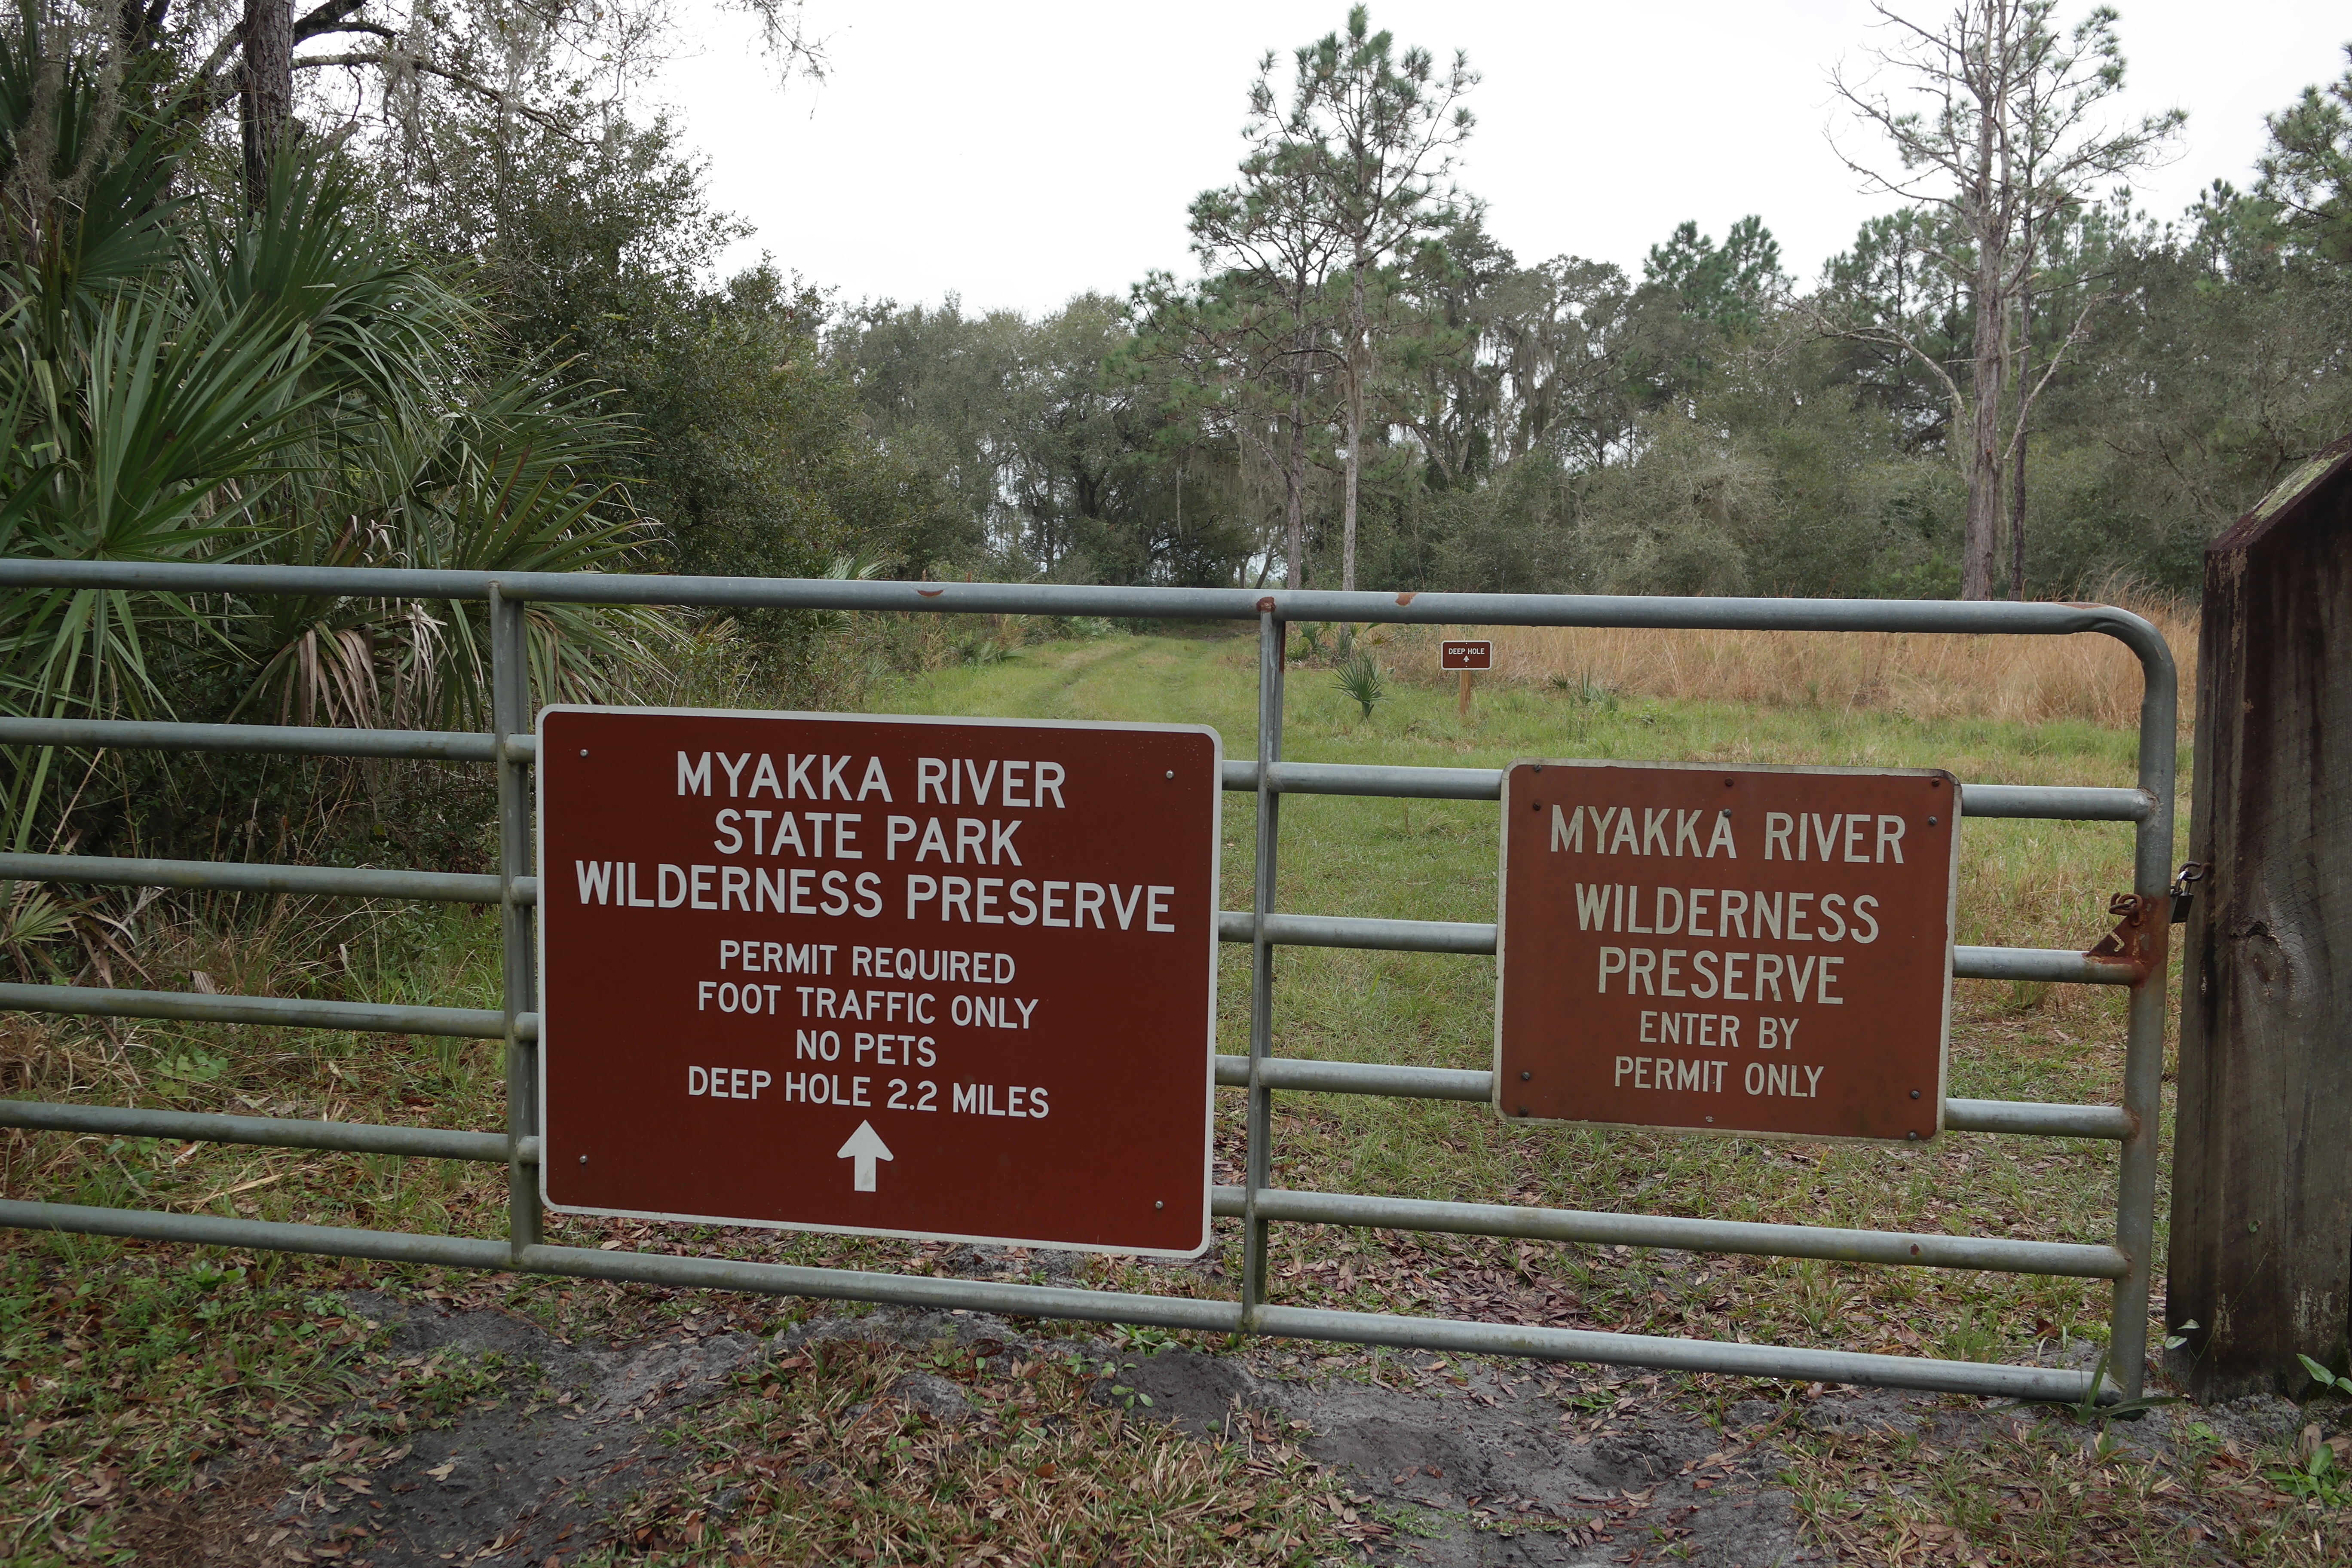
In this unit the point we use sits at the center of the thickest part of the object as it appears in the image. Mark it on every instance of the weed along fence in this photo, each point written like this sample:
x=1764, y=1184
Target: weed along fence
x=849, y=974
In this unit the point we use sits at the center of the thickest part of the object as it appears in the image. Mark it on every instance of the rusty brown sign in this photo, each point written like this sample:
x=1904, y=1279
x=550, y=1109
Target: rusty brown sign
x=1471, y=653
x=949, y=979
x=1743, y=949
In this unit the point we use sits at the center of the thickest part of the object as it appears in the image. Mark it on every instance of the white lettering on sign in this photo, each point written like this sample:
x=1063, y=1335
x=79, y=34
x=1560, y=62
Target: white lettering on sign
x=1643, y=830
x=1784, y=915
x=999, y=1100
x=726, y=1083
x=949, y=781
x=814, y=776
x=732, y=998
x=867, y=1006
x=822, y=1088
x=897, y=1050
x=1705, y=973
x=932, y=964
x=1680, y=1074
x=1796, y=1081
x=751, y=841
x=1068, y=906
x=1848, y=838
x=985, y=841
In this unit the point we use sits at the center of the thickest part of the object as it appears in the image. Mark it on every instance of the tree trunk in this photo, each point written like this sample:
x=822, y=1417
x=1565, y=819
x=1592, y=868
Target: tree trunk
x=1979, y=543
x=2017, y=480
x=266, y=97
x=1983, y=207
x=139, y=23
x=2024, y=392
x=1358, y=355
x=1294, y=474
x=2260, y=1252
x=2017, y=525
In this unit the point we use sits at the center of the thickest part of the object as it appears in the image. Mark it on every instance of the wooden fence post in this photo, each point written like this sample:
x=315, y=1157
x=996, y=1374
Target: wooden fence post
x=2262, y=1175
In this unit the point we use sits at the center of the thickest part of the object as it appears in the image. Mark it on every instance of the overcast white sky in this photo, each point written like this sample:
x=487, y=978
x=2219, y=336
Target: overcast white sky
x=1018, y=152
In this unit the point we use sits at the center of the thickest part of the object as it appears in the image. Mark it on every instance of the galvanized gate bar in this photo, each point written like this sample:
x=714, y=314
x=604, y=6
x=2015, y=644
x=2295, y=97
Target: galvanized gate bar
x=510, y=715
x=1661, y=612
x=2042, y=1118
x=1273, y=660
x=210, y=1127
x=1373, y=779
x=2062, y=802
x=275, y=740
x=2002, y=1116
x=1359, y=1078
x=511, y=749
x=2056, y=965
x=1086, y=1306
x=253, y=877
x=122, y=871
x=2065, y=802
x=1350, y=930
x=1602, y=1228
x=202, y=1007
x=2073, y=803
x=1475, y=1085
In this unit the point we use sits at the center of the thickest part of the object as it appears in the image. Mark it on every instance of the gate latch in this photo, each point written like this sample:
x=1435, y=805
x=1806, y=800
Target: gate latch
x=2139, y=939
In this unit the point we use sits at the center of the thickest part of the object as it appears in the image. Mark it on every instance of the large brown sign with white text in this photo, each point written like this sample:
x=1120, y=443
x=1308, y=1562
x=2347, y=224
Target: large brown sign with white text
x=1725, y=948
x=950, y=979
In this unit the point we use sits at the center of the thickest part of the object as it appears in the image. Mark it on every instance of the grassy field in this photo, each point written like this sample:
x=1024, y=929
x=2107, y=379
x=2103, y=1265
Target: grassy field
x=125, y=1366
x=2037, y=884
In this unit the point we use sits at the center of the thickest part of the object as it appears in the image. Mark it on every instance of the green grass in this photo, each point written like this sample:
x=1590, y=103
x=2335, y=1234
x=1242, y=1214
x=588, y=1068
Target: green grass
x=2037, y=884
x=116, y=1360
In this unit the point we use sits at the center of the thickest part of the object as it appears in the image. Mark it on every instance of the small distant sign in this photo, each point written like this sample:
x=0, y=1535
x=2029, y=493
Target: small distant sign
x=1474, y=653
x=1750, y=950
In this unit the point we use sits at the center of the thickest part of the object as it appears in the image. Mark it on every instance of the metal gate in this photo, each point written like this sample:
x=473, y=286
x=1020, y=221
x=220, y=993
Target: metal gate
x=509, y=748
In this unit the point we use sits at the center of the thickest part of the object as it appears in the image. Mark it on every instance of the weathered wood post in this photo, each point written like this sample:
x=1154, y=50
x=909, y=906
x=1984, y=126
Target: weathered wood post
x=2262, y=1178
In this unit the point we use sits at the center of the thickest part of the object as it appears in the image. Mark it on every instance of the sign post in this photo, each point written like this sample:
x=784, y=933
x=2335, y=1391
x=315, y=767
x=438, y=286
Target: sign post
x=946, y=979
x=1739, y=950
x=1465, y=655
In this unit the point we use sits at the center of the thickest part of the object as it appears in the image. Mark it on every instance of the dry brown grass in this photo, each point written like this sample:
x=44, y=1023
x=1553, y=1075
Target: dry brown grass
x=2016, y=680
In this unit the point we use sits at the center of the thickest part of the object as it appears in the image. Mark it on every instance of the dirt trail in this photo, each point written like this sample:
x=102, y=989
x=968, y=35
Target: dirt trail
x=1479, y=1463
x=1483, y=1474
x=1488, y=1474
x=502, y=1483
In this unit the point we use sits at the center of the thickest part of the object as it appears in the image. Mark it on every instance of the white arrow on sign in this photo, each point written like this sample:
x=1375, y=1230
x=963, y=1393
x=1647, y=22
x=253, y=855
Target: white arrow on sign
x=865, y=1146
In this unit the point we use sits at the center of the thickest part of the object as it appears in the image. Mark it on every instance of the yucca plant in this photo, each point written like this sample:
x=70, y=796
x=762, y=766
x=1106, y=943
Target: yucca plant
x=184, y=380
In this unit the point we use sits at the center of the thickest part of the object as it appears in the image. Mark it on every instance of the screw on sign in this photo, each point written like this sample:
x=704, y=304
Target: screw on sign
x=1727, y=950
x=952, y=979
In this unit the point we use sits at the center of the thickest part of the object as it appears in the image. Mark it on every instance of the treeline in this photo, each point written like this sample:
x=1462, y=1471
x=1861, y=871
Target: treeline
x=381, y=282
x=1714, y=425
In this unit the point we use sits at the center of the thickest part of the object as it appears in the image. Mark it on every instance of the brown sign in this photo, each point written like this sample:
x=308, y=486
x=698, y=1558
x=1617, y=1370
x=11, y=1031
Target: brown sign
x=933, y=978
x=1478, y=653
x=1725, y=948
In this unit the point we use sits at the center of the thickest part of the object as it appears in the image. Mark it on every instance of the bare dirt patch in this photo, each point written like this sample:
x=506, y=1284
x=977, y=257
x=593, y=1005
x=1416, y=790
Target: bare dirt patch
x=556, y=1448
x=1473, y=1465
x=1502, y=1466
